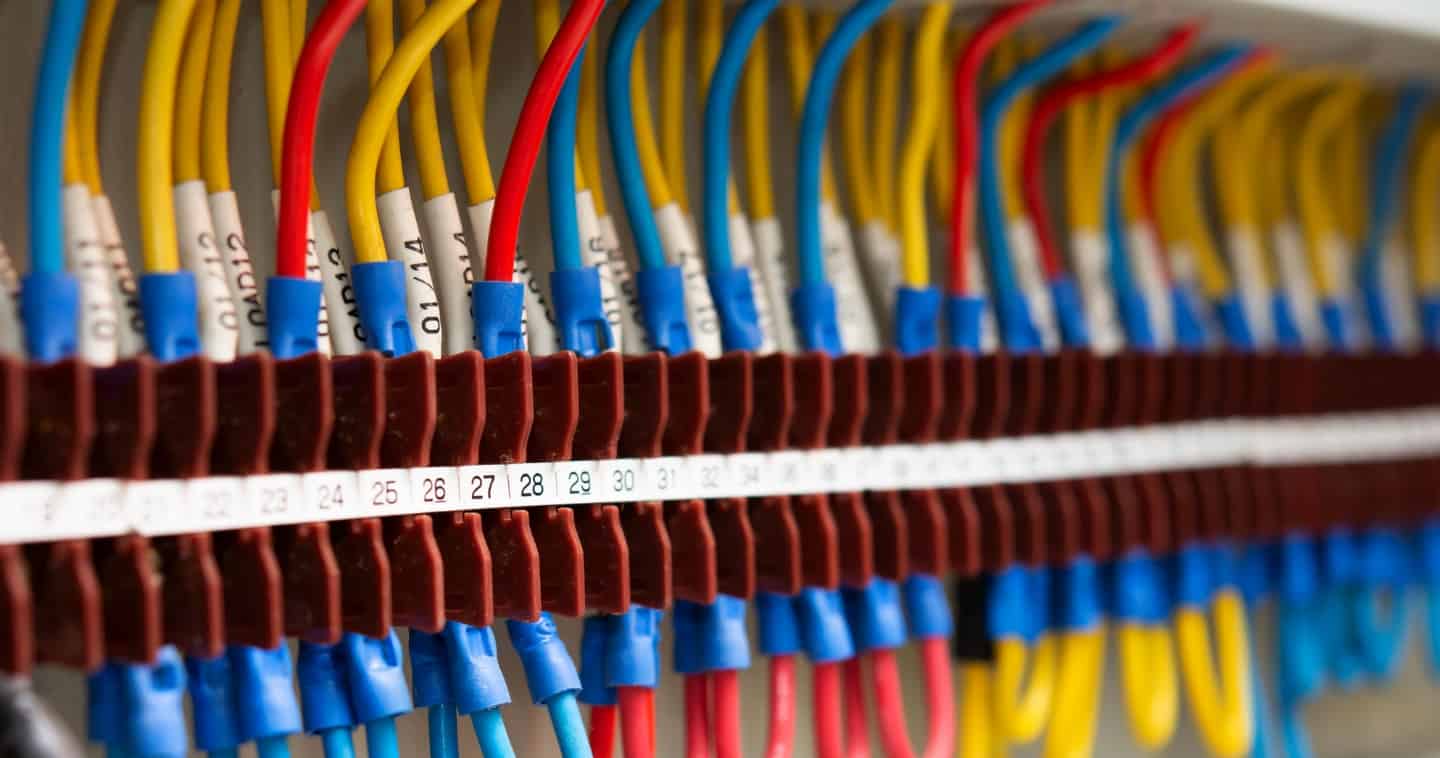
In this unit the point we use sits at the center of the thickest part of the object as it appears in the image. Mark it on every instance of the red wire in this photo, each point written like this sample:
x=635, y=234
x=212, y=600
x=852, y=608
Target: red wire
x=602, y=731
x=299, y=141
x=637, y=722
x=1053, y=102
x=697, y=716
x=890, y=705
x=829, y=740
x=530, y=131
x=940, y=697
x=857, y=725
x=782, y=707
x=967, y=128
x=727, y=714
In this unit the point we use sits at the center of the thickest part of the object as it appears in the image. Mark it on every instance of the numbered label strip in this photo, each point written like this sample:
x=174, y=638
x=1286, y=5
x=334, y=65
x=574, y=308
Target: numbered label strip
x=41, y=511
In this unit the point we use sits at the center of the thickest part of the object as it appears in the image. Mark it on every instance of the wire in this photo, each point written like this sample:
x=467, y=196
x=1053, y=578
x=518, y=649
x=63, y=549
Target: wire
x=829, y=727
x=890, y=705
x=603, y=722
x=940, y=697
x=942, y=160
x=272, y=747
x=1078, y=685
x=589, y=131
x=569, y=726
x=153, y=155
x=424, y=120
x=673, y=31
x=976, y=739
x=85, y=120
x=560, y=173
x=815, y=114
x=926, y=65
x=719, y=104
x=1317, y=217
x=1147, y=670
x=781, y=741
x=483, y=19
x=857, y=110
x=1021, y=715
x=1224, y=716
x=380, y=738
x=885, y=115
x=637, y=722
x=490, y=733
x=624, y=40
x=336, y=743
x=279, y=68
x=967, y=127
x=697, y=716
x=856, y=721
x=465, y=113
x=657, y=183
x=190, y=94
x=727, y=714
x=1424, y=226
x=379, y=48
x=215, y=121
x=760, y=180
x=1048, y=109
x=799, y=59
x=444, y=740
x=1387, y=164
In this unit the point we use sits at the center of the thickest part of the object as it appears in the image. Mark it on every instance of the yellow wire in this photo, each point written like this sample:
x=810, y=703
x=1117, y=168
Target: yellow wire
x=651, y=164
x=1424, y=229
x=799, y=59
x=89, y=70
x=379, y=115
x=974, y=735
x=299, y=25
x=1181, y=206
x=1147, y=670
x=709, y=39
x=889, y=51
x=215, y=121
x=759, y=180
x=73, y=167
x=1318, y=217
x=673, y=22
x=856, y=111
x=927, y=64
x=482, y=41
x=942, y=164
x=190, y=97
x=1223, y=711
x=1021, y=712
x=469, y=130
x=379, y=47
x=587, y=138
x=1079, y=141
x=1077, y=695
x=1351, y=185
x=157, y=127
x=424, y=120
x=275, y=20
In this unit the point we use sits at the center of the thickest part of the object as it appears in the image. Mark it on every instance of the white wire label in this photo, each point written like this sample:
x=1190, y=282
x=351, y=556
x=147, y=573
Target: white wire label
x=403, y=243
x=775, y=280
x=85, y=256
x=342, y=311
x=122, y=279
x=449, y=255
x=858, y=329
x=682, y=250
x=219, y=324
x=239, y=273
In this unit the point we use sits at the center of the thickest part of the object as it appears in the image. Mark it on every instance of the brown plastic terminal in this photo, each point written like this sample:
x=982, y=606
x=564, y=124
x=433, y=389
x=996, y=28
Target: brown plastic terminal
x=1027, y=399
x=552, y=431
x=459, y=422
x=358, y=383
x=60, y=423
x=358, y=386
x=253, y=588
x=732, y=398
x=927, y=532
x=688, y=398
x=417, y=575
x=514, y=557
x=597, y=437
x=366, y=602
x=956, y=417
x=813, y=414
x=772, y=518
x=647, y=409
x=245, y=415
x=1094, y=517
x=185, y=396
x=882, y=427
x=68, y=623
x=688, y=378
x=193, y=602
x=855, y=544
x=125, y=419
x=1058, y=410
x=992, y=506
x=1184, y=392
x=17, y=636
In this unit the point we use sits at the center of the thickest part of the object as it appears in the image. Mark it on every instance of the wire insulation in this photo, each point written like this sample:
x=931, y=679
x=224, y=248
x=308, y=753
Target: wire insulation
x=780, y=743
x=154, y=154
x=927, y=64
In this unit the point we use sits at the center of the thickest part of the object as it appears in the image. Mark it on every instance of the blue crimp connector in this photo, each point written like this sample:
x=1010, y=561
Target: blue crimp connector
x=1018, y=332
x=685, y=618
x=580, y=311
x=824, y=630
x=661, y=292
x=152, y=703
x=264, y=691
x=375, y=676
x=549, y=671
x=476, y=681
x=1299, y=569
x=917, y=320
x=1430, y=319
x=734, y=296
x=1257, y=569
x=1137, y=594
x=1135, y=318
x=429, y=669
x=594, y=636
x=1377, y=312
x=1009, y=605
x=50, y=311
x=168, y=306
x=778, y=624
x=213, y=703
x=1194, y=583
x=1428, y=562
x=632, y=648
x=717, y=633
x=324, y=695
x=926, y=607
x=292, y=313
x=1225, y=567
x=1190, y=331
x=1301, y=663
x=498, y=309
x=1069, y=312
x=876, y=615
x=380, y=293
x=813, y=308
x=964, y=315
x=1340, y=556
x=103, y=715
x=1333, y=316
x=1287, y=329
x=1077, y=604
x=1230, y=312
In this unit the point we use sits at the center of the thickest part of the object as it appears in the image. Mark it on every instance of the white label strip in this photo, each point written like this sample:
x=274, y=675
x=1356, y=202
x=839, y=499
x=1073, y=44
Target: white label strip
x=40, y=511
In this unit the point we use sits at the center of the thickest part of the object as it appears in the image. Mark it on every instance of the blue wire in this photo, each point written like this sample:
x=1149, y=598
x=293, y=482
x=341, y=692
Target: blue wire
x=1131, y=124
x=226, y=753
x=116, y=751
x=719, y=105
x=441, y=719
x=1033, y=73
x=818, y=97
x=622, y=131
x=380, y=738
x=47, y=134
x=569, y=726
x=560, y=171
x=490, y=733
x=272, y=747
x=337, y=743
x=1384, y=185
